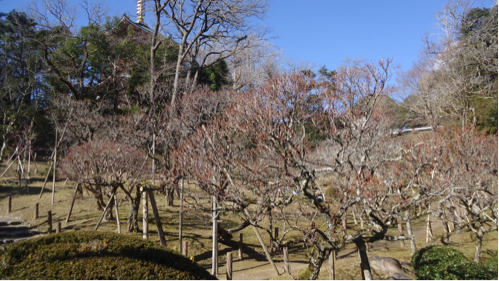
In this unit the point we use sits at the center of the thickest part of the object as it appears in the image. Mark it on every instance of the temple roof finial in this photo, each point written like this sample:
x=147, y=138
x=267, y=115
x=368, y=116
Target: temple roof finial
x=140, y=11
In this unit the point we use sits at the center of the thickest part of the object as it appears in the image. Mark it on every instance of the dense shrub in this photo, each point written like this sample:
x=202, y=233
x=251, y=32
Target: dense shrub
x=492, y=264
x=447, y=263
x=95, y=255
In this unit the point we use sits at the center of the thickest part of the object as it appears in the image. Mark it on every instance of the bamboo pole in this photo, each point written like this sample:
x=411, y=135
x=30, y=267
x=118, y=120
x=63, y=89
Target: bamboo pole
x=55, y=163
x=332, y=269
x=285, y=256
x=269, y=258
x=180, y=215
x=72, y=202
x=105, y=209
x=145, y=211
x=117, y=213
x=214, y=250
x=157, y=218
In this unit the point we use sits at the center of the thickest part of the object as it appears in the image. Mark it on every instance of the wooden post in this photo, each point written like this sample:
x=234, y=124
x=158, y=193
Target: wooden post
x=72, y=202
x=285, y=255
x=229, y=266
x=259, y=236
x=214, y=250
x=105, y=209
x=49, y=221
x=37, y=205
x=332, y=270
x=157, y=219
x=180, y=215
x=9, y=204
x=55, y=163
x=58, y=227
x=241, y=245
x=185, y=248
x=117, y=212
x=145, y=211
x=46, y=179
x=429, y=232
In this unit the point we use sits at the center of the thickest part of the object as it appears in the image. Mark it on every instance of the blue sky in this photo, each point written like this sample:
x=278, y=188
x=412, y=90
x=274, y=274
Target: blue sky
x=325, y=32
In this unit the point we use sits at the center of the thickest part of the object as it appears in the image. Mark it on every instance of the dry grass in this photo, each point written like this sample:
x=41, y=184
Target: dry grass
x=197, y=230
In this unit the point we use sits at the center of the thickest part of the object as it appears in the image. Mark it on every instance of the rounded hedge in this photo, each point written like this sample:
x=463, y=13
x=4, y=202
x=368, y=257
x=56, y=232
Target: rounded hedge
x=447, y=263
x=95, y=255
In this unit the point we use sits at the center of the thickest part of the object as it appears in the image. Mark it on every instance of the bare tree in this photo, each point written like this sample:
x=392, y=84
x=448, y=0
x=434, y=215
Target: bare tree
x=267, y=144
x=207, y=32
x=103, y=167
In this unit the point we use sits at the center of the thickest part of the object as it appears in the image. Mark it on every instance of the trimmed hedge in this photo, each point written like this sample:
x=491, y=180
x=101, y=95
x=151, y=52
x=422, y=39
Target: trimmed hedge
x=95, y=255
x=447, y=263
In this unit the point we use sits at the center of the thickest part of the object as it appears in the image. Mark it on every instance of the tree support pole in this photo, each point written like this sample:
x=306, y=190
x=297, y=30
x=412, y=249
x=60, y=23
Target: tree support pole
x=72, y=202
x=269, y=258
x=157, y=218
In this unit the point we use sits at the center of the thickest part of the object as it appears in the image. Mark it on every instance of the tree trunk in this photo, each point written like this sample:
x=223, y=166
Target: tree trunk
x=169, y=196
x=478, y=249
x=401, y=232
x=133, y=221
x=316, y=267
x=409, y=232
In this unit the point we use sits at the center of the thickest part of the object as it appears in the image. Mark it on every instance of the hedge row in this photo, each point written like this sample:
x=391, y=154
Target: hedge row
x=447, y=263
x=95, y=255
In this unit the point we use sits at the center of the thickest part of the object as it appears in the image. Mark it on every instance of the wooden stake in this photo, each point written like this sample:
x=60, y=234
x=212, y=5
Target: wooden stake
x=269, y=258
x=37, y=205
x=241, y=245
x=72, y=202
x=105, y=209
x=145, y=211
x=229, y=266
x=185, y=249
x=285, y=255
x=55, y=163
x=214, y=250
x=9, y=204
x=58, y=227
x=332, y=270
x=45, y=181
x=157, y=218
x=49, y=221
x=180, y=215
x=117, y=213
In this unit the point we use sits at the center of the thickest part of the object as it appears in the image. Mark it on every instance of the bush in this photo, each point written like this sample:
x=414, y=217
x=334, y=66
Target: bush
x=492, y=264
x=95, y=255
x=447, y=263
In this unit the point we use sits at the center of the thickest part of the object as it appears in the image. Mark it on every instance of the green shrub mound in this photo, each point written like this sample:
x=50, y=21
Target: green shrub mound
x=95, y=255
x=447, y=263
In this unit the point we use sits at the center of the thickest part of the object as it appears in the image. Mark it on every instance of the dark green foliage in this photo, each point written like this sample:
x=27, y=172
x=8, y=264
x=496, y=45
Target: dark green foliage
x=95, y=255
x=215, y=76
x=447, y=263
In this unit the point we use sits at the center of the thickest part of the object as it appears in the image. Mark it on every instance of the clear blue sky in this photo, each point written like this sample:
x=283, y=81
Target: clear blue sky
x=325, y=32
